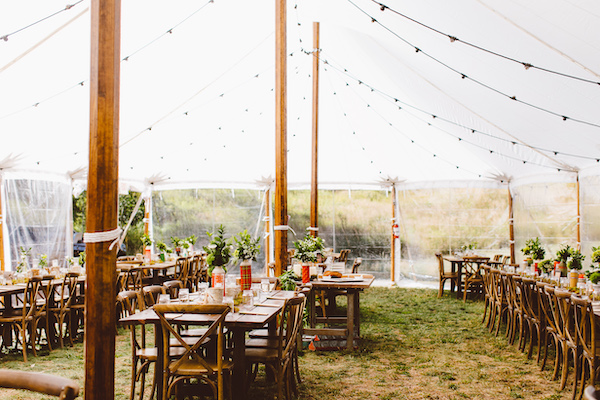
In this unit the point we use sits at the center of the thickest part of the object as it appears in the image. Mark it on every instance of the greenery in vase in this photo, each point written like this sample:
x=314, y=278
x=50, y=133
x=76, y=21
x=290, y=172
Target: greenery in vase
x=287, y=280
x=23, y=256
x=185, y=244
x=82, y=258
x=161, y=246
x=146, y=240
x=43, y=263
x=176, y=241
x=594, y=277
x=576, y=260
x=192, y=239
x=308, y=248
x=564, y=253
x=468, y=247
x=546, y=266
x=596, y=254
x=245, y=247
x=218, y=250
x=533, y=248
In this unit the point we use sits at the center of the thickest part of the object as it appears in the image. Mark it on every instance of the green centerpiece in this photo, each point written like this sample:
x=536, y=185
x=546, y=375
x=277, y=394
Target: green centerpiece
x=218, y=250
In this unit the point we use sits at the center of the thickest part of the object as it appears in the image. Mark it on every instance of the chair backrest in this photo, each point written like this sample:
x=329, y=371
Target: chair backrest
x=126, y=258
x=128, y=301
x=151, y=294
x=357, y=262
x=63, y=388
x=64, y=294
x=549, y=308
x=133, y=279
x=585, y=325
x=172, y=287
x=440, y=264
x=169, y=314
x=293, y=314
x=565, y=322
x=506, y=260
x=530, y=301
x=343, y=255
x=182, y=270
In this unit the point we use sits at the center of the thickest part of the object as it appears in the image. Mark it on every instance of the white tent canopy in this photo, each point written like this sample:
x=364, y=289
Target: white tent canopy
x=197, y=101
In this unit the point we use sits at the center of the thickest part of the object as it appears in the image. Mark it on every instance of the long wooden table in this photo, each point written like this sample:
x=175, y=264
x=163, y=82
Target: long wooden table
x=238, y=323
x=350, y=286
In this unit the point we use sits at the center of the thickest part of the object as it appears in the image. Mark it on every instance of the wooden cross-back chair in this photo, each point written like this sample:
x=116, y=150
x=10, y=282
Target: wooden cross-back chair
x=445, y=275
x=59, y=306
x=585, y=326
x=193, y=364
x=25, y=320
x=279, y=352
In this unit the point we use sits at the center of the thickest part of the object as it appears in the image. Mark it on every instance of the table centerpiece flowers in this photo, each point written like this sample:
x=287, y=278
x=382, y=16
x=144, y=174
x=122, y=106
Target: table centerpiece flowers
x=246, y=250
x=306, y=251
x=533, y=251
x=218, y=254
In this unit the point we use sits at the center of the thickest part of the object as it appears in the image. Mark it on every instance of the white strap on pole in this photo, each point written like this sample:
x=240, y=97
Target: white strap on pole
x=511, y=242
x=283, y=228
x=106, y=236
x=312, y=228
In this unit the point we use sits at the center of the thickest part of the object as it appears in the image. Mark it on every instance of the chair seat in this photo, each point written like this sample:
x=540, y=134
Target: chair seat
x=261, y=354
x=190, y=340
x=193, y=332
x=261, y=333
x=194, y=368
x=151, y=353
x=262, y=342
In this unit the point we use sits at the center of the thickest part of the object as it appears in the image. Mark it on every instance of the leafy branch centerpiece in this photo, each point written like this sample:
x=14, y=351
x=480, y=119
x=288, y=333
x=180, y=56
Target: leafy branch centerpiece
x=562, y=256
x=246, y=250
x=163, y=250
x=534, y=251
x=306, y=251
x=218, y=253
x=147, y=243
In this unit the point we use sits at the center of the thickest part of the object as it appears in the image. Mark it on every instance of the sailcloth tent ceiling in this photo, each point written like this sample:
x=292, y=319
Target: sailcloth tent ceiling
x=427, y=92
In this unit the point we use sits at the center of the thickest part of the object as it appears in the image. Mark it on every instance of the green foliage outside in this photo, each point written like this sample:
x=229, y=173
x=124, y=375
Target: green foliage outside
x=133, y=240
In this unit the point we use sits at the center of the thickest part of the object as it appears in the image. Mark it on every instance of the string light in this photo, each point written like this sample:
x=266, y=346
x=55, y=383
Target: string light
x=480, y=83
x=67, y=8
x=168, y=31
x=396, y=100
x=455, y=39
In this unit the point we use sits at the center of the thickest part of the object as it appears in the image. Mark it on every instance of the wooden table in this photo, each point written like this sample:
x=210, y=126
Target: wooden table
x=349, y=285
x=238, y=323
x=159, y=269
x=458, y=263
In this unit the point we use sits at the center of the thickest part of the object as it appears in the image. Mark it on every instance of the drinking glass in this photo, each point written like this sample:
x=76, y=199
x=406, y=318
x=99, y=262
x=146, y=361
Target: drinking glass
x=228, y=300
x=265, y=285
x=164, y=299
x=184, y=295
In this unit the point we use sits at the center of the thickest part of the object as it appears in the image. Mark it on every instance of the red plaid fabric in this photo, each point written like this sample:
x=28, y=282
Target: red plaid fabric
x=246, y=276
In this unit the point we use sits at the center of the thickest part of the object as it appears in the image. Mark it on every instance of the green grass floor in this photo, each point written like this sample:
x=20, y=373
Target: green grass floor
x=413, y=346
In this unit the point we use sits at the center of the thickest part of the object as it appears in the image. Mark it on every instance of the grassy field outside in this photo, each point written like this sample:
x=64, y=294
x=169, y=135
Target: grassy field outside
x=414, y=346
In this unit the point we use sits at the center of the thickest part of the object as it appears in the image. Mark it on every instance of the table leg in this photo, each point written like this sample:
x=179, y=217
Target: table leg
x=159, y=376
x=239, y=367
x=312, y=316
x=350, y=319
x=7, y=334
x=459, y=268
x=357, y=313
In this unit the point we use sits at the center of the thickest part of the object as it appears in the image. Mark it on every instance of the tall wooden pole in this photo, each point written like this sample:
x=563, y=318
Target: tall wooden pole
x=314, y=186
x=393, y=251
x=578, y=216
x=102, y=199
x=280, y=213
x=147, y=218
x=267, y=230
x=511, y=227
x=2, y=222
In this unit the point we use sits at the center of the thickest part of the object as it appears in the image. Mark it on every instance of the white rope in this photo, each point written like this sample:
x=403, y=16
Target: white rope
x=310, y=228
x=281, y=228
x=106, y=236
x=266, y=218
x=511, y=242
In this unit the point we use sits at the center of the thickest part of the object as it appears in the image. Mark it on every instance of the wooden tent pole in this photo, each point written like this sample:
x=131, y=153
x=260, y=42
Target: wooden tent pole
x=267, y=230
x=511, y=226
x=280, y=213
x=578, y=215
x=2, y=222
x=147, y=211
x=102, y=199
x=314, y=187
x=393, y=247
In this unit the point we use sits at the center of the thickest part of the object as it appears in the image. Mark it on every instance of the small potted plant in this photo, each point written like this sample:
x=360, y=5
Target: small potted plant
x=23, y=264
x=218, y=253
x=192, y=239
x=147, y=243
x=562, y=256
x=177, y=244
x=596, y=254
x=469, y=248
x=163, y=250
x=534, y=251
x=246, y=250
x=306, y=252
x=575, y=265
x=545, y=266
x=43, y=263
